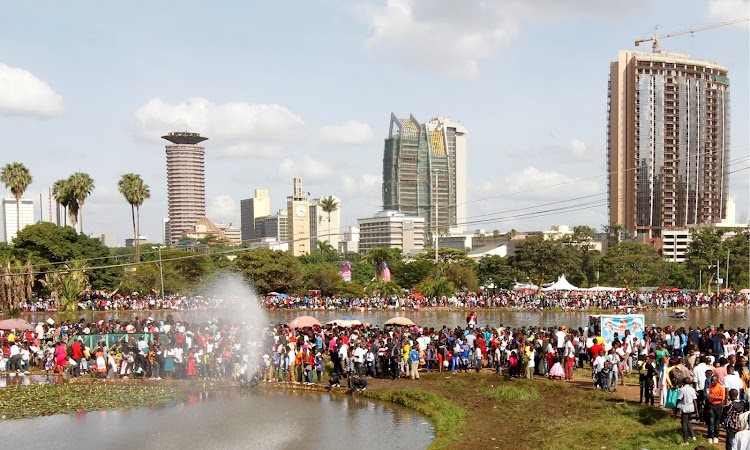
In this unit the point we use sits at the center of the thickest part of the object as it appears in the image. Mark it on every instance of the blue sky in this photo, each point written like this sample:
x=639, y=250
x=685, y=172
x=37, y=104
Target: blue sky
x=306, y=88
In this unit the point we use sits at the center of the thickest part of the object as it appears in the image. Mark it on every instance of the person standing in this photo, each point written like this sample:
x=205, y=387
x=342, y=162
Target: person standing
x=569, y=351
x=716, y=400
x=687, y=403
x=414, y=364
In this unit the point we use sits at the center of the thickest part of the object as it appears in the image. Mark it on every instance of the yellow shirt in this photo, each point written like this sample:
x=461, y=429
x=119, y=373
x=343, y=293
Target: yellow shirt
x=406, y=352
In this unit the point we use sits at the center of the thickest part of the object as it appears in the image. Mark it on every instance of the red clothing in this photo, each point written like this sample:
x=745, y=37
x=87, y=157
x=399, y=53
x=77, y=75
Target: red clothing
x=595, y=349
x=76, y=347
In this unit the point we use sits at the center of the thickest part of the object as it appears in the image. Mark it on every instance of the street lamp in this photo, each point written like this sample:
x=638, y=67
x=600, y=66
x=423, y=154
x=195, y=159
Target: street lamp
x=161, y=271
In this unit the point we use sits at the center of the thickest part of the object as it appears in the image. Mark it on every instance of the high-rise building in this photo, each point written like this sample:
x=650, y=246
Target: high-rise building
x=272, y=227
x=109, y=240
x=10, y=214
x=321, y=228
x=186, y=182
x=350, y=240
x=392, y=229
x=165, y=230
x=298, y=210
x=251, y=209
x=417, y=159
x=667, y=141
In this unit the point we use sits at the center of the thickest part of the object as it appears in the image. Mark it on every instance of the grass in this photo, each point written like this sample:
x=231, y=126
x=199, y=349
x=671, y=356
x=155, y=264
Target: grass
x=21, y=402
x=485, y=411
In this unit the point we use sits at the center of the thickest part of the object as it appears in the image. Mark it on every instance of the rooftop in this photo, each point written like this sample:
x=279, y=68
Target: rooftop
x=184, y=137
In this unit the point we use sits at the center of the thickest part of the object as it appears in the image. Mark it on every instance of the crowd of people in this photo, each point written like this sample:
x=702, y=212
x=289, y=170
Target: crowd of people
x=525, y=299
x=700, y=371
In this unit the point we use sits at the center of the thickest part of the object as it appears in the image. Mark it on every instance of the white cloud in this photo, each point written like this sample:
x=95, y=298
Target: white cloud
x=307, y=168
x=577, y=148
x=23, y=94
x=235, y=122
x=350, y=133
x=728, y=9
x=223, y=208
x=452, y=36
x=534, y=184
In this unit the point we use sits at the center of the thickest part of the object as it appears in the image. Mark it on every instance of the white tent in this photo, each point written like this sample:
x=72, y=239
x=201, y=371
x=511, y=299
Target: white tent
x=561, y=285
x=520, y=286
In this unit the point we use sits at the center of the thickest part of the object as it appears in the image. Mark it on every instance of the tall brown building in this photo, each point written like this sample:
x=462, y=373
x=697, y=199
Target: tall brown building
x=667, y=141
x=186, y=182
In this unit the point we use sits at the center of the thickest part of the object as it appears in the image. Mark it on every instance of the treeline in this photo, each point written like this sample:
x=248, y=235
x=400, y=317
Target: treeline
x=48, y=261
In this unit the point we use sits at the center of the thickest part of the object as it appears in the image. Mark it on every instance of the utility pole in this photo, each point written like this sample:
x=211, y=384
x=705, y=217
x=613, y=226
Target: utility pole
x=727, y=271
x=437, y=230
x=161, y=272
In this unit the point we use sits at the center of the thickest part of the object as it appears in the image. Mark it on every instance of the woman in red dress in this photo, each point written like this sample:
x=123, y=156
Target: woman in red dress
x=191, y=364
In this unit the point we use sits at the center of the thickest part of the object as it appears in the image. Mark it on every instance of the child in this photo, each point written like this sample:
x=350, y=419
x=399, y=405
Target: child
x=556, y=372
x=732, y=412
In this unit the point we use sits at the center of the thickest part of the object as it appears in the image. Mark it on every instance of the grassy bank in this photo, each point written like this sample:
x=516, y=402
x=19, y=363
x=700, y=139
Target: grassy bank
x=483, y=411
x=21, y=402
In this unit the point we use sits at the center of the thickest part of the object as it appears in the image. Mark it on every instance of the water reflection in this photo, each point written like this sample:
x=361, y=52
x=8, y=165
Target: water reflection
x=730, y=317
x=28, y=380
x=228, y=419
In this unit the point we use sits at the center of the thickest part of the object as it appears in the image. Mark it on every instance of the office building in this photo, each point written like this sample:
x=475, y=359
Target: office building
x=11, y=214
x=109, y=240
x=165, y=230
x=272, y=227
x=392, y=229
x=325, y=227
x=298, y=227
x=251, y=209
x=349, y=240
x=417, y=159
x=186, y=182
x=233, y=234
x=130, y=242
x=667, y=141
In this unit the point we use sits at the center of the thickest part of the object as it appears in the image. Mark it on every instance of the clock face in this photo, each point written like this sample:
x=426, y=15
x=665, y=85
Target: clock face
x=301, y=211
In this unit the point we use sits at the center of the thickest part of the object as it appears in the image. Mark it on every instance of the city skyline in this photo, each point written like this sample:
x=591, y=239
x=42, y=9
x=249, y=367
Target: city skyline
x=532, y=90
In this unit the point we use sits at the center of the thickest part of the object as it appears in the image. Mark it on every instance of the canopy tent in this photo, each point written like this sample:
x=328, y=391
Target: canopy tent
x=399, y=321
x=304, y=321
x=561, y=285
x=15, y=324
x=521, y=286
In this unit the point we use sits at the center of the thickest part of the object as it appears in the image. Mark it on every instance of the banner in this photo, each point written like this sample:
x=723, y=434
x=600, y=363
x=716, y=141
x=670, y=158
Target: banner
x=346, y=271
x=612, y=325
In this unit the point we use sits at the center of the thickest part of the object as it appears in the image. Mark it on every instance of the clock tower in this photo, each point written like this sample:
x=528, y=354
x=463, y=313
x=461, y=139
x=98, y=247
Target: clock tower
x=298, y=209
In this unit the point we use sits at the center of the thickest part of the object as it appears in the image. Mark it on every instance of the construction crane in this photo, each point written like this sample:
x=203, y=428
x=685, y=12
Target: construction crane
x=656, y=36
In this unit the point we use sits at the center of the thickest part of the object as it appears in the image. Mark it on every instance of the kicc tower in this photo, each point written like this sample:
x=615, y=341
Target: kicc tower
x=186, y=182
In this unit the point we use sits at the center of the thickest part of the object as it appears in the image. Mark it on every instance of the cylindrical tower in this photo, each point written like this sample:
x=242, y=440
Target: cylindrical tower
x=186, y=182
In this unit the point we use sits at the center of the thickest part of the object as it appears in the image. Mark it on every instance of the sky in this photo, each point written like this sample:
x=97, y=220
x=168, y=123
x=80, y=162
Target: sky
x=306, y=88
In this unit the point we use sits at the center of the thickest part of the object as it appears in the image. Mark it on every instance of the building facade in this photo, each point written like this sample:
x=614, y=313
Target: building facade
x=109, y=240
x=252, y=208
x=272, y=227
x=186, y=182
x=667, y=141
x=419, y=159
x=349, y=240
x=321, y=228
x=10, y=214
x=298, y=211
x=392, y=229
x=130, y=242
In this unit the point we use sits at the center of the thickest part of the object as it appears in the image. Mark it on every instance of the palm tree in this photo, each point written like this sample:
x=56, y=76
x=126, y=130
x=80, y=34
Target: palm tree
x=16, y=177
x=135, y=191
x=81, y=186
x=63, y=195
x=378, y=256
x=329, y=205
x=511, y=234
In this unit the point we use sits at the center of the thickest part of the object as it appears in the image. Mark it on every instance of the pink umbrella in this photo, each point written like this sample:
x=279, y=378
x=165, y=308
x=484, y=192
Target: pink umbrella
x=304, y=321
x=15, y=324
x=745, y=291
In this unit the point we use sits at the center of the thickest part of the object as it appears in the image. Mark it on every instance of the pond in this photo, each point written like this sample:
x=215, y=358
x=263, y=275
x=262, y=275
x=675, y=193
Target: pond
x=231, y=419
x=730, y=317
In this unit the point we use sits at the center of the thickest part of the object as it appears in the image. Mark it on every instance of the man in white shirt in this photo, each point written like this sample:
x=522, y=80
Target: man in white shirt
x=560, y=338
x=687, y=404
x=597, y=366
x=732, y=381
x=699, y=377
x=627, y=345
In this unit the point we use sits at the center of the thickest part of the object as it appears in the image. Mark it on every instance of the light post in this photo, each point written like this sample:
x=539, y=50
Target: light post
x=161, y=271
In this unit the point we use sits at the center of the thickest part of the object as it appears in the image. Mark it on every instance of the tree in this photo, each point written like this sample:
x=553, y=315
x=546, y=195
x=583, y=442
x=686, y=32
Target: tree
x=63, y=193
x=614, y=231
x=269, y=270
x=351, y=289
x=462, y=277
x=631, y=264
x=511, y=234
x=16, y=177
x=495, y=270
x=441, y=287
x=412, y=273
x=67, y=287
x=539, y=259
x=135, y=191
x=380, y=257
x=705, y=251
x=325, y=279
x=739, y=259
x=15, y=288
x=81, y=186
x=383, y=288
x=328, y=205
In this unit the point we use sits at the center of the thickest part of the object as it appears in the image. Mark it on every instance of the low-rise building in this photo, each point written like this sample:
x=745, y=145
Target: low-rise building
x=392, y=229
